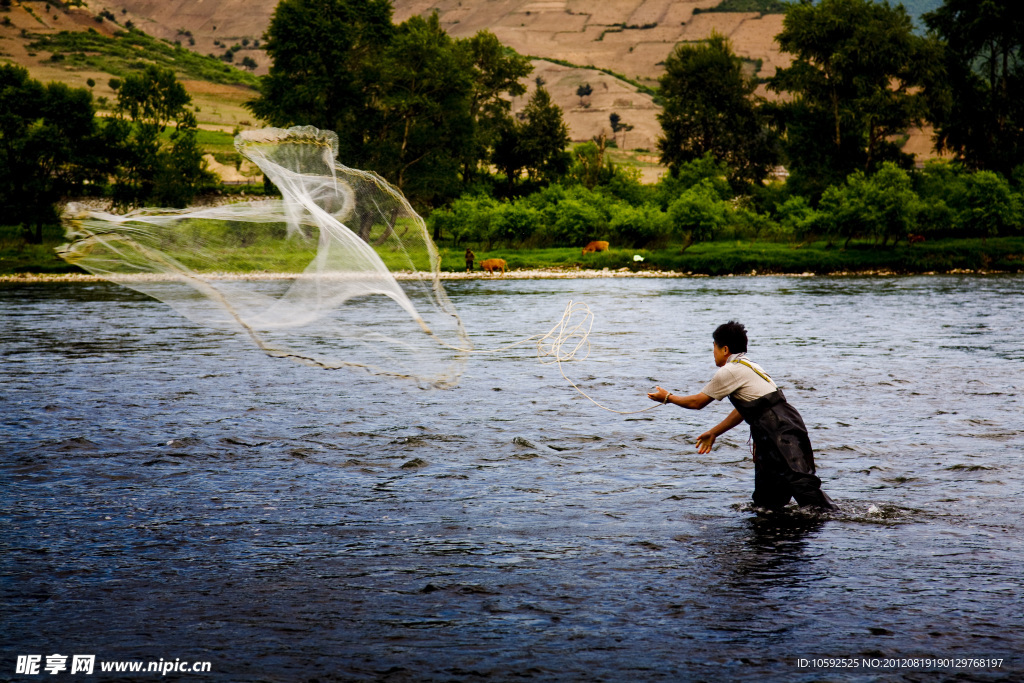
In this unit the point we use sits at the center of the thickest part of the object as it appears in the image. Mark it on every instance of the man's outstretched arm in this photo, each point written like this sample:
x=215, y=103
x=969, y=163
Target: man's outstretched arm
x=706, y=440
x=693, y=402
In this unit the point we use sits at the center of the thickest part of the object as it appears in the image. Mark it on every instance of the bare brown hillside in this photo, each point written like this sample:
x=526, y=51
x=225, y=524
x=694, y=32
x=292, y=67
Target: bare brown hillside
x=629, y=37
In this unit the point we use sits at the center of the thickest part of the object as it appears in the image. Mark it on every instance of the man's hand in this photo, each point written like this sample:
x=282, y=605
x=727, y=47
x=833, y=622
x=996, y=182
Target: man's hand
x=705, y=441
x=659, y=395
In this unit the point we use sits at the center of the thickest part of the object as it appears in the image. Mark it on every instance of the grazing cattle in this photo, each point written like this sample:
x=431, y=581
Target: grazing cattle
x=595, y=246
x=914, y=239
x=493, y=264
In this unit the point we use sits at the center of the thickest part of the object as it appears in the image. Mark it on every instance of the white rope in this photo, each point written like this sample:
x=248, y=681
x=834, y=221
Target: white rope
x=565, y=342
x=575, y=338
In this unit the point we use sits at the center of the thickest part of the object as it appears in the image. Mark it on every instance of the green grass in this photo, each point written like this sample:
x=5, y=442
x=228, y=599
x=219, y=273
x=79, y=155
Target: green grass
x=712, y=258
x=129, y=51
x=739, y=257
x=18, y=256
x=219, y=143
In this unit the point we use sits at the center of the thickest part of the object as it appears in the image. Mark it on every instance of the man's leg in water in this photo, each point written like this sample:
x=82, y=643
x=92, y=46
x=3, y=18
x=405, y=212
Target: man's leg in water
x=771, y=490
x=775, y=482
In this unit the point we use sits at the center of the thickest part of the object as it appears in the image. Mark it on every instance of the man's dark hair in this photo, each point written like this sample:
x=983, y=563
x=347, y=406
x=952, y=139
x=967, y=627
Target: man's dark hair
x=733, y=335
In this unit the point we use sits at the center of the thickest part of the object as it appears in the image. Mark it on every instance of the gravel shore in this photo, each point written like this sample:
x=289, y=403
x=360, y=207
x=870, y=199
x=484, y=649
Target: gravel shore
x=526, y=274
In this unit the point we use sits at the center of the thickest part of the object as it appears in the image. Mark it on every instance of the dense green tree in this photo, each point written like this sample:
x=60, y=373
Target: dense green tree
x=853, y=87
x=497, y=73
x=147, y=170
x=421, y=128
x=977, y=108
x=326, y=58
x=508, y=157
x=515, y=223
x=407, y=101
x=544, y=137
x=535, y=144
x=796, y=217
x=710, y=108
x=989, y=206
x=639, y=226
x=590, y=165
x=691, y=173
x=49, y=148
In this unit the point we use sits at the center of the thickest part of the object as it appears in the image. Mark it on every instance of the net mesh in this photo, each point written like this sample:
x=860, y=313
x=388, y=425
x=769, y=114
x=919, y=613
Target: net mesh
x=310, y=276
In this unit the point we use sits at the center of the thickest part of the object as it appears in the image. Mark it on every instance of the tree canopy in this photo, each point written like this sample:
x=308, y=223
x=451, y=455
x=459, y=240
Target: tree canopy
x=49, y=147
x=536, y=143
x=146, y=169
x=408, y=101
x=326, y=57
x=710, y=108
x=854, y=84
x=977, y=107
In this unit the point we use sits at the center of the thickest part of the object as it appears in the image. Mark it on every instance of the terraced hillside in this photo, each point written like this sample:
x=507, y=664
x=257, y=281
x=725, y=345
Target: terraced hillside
x=614, y=46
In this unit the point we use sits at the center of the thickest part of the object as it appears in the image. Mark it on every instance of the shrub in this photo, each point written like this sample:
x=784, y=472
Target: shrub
x=881, y=206
x=990, y=206
x=577, y=222
x=698, y=213
x=514, y=222
x=639, y=226
x=692, y=173
x=468, y=219
x=796, y=217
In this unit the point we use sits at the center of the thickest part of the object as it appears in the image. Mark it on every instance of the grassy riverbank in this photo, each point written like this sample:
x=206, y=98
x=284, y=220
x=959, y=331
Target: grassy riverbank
x=743, y=257
x=711, y=258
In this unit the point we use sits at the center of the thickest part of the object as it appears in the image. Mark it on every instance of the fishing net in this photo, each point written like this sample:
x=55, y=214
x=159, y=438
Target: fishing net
x=339, y=272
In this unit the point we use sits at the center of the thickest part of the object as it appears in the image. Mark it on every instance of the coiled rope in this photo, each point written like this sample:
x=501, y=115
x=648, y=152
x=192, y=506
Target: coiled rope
x=568, y=340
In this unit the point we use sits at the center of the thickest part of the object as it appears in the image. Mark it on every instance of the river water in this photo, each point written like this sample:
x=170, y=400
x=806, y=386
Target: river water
x=171, y=493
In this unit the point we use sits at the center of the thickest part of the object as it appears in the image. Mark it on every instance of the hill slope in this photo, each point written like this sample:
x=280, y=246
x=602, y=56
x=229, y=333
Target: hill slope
x=630, y=38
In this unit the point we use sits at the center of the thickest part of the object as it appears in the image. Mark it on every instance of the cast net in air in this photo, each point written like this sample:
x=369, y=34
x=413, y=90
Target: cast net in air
x=310, y=276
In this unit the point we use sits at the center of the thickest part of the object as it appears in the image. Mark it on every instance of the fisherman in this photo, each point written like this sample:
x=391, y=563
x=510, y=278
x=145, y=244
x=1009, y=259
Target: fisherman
x=783, y=459
x=470, y=257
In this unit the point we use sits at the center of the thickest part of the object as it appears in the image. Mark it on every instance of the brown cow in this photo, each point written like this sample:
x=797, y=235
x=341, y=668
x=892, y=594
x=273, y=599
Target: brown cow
x=595, y=246
x=493, y=264
x=914, y=239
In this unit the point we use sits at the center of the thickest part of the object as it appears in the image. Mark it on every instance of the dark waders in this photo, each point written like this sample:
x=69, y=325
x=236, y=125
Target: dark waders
x=783, y=459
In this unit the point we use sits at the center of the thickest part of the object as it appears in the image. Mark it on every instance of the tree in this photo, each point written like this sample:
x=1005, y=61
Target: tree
x=496, y=75
x=989, y=206
x=854, y=85
x=326, y=59
x=617, y=124
x=544, y=138
x=689, y=174
x=147, y=170
x=420, y=127
x=584, y=90
x=710, y=108
x=535, y=144
x=49, y=147
x=976, y=107
x=406, y=101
